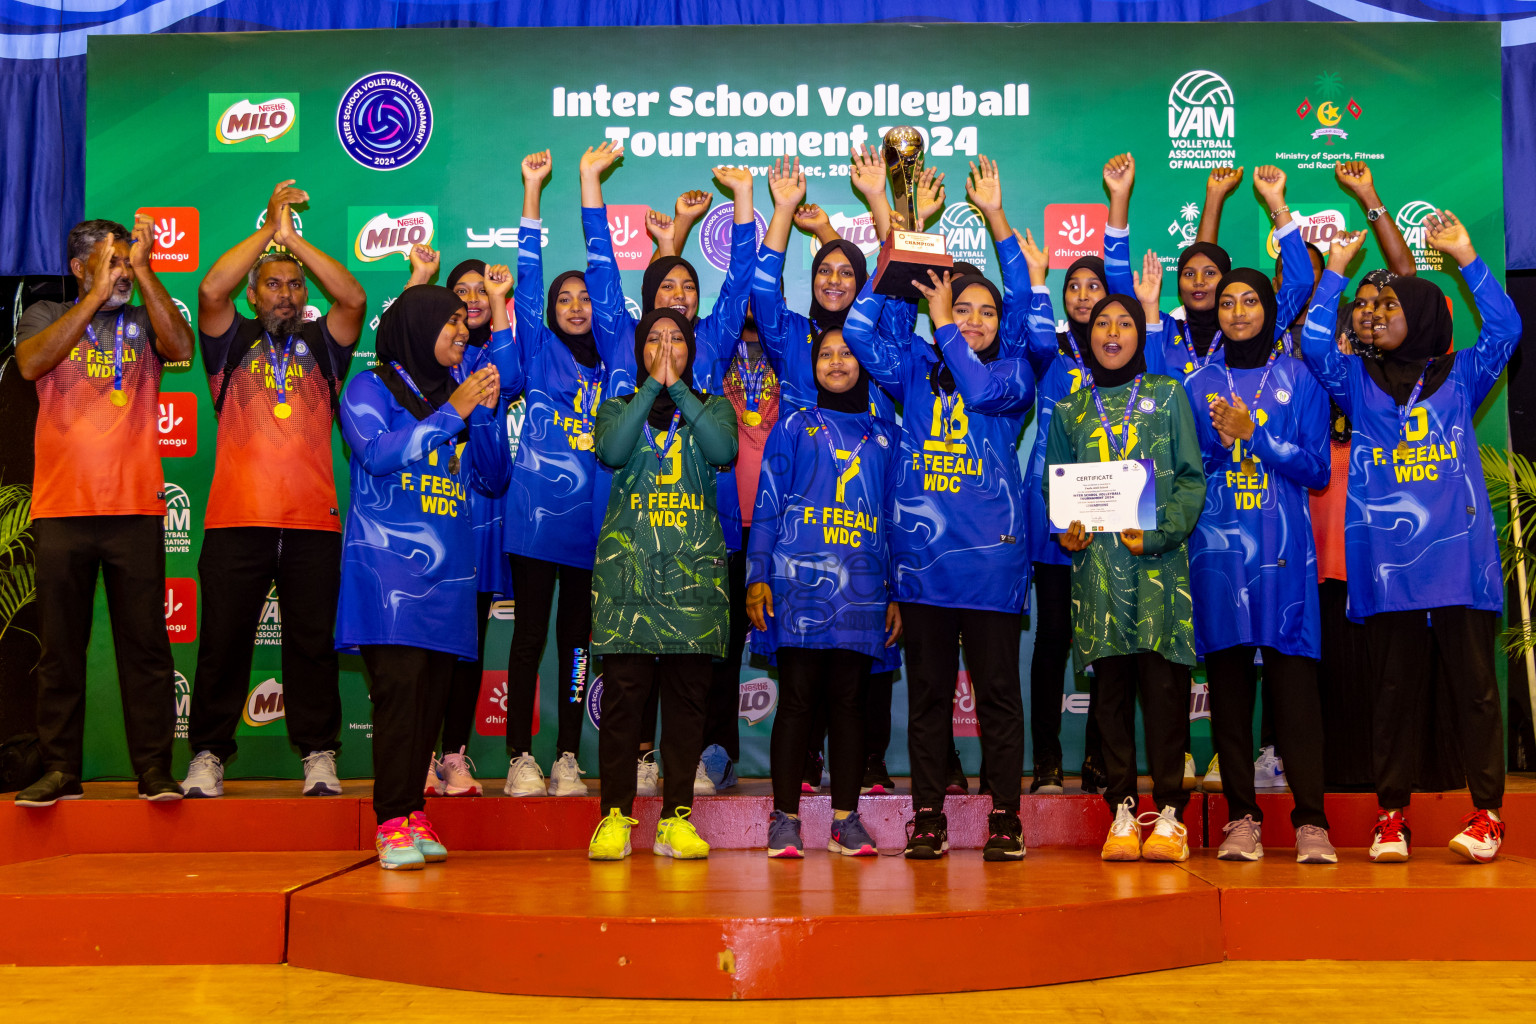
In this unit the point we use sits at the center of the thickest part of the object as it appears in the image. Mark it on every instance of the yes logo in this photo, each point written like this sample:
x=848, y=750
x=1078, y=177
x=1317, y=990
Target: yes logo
x=1074, y=230
x=177, y=423
x=626, y=229
x=175, y=235
x=181, y=609
x=238, y=122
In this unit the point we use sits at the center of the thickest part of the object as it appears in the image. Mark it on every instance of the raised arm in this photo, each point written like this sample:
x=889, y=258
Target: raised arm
x=690, y=207
x=1319, y=348
x=528, y=294
x=813, y=220
x=1295, y=265
x=502, y=348
x=786, y=187
x=1119, y=180
x=215, y=307
x=611, y=320
x=984, y=189
x=731, y=307
x=880, y=359
x=868, y=177
x=425, y=262
x=38, y=353
x=1221, y=183
x=1354, y=176
x=1501, y=322
x=1000, y=387
x=173, y=335
x=1148, y=291
x=349, y=303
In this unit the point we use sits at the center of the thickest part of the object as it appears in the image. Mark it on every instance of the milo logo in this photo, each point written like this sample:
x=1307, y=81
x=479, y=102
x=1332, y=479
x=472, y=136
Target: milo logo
x=383, y=234
x=246, y=120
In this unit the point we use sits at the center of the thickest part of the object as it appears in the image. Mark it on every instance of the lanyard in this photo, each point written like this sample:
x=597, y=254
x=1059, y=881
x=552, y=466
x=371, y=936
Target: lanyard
x=453, y=458
x=650, y=436
x=853, y=456
x=1125, y=421
x=1268, y=366
x=1188, y=338
x=118, y=398
x=280, y=373
x=1407, y=411
x=751, y=375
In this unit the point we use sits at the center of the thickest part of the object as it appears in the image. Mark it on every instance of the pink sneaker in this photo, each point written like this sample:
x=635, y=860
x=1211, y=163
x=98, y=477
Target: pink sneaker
x=458, y=775
x=434, y=786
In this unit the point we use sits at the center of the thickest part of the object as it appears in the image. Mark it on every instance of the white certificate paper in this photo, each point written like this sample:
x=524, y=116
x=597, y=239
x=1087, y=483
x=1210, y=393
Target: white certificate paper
x=1106, y=497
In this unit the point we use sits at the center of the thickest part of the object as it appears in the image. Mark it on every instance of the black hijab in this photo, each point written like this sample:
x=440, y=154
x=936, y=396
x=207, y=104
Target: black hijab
x=1202, y=322
x=1379, y=279
x=1079, y=332
x=478, y=336
x=407, y=335
x=1245, y=355
x=583, y=346
x=964, y=269
x=825, y=319
x=1138, y=362
x=941, y=377
x=656, y=272
x=1425, y=345
x=854, y=400
x=663, y=407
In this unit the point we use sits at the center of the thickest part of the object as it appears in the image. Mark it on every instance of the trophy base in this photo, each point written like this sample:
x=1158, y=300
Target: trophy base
x=907, y=256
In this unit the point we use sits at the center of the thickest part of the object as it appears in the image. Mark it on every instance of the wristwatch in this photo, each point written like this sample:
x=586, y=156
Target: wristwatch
x=1374, y=215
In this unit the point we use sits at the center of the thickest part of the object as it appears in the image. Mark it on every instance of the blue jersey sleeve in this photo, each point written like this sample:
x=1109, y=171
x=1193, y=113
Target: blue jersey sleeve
x=1499, y=336
x=881, y=359
x=1043, y=342
x=1000, y=387
x=612, y=325
x=1333, y=369
x=503, y=353
x=1305, y=458
x=777, y=474
x=365, y=426
x=528, y=296
x=1117, y=261
x=1158, y=337
x=1296, y=277
x=769, y=309
x=1017, y=295
x=490, y=463
x=898, y=322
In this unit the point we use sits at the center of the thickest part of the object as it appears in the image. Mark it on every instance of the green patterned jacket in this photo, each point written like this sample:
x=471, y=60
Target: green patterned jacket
x=659, y=582
x=1124, y=603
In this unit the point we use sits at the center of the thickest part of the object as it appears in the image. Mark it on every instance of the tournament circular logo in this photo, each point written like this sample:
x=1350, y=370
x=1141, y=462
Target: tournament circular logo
x=1283, y=396
x=1147, y=405
x=384, y=120
x=595, y=703
x=715, y=234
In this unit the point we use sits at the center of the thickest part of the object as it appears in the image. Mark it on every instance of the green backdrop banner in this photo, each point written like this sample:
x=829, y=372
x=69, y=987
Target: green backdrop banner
x=404, y=136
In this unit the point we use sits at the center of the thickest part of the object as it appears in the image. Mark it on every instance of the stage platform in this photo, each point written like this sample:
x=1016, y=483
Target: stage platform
x=263, y=876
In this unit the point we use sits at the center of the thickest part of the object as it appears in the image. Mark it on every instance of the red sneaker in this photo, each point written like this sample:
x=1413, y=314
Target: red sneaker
x=1480, y=840
x=1390, y=845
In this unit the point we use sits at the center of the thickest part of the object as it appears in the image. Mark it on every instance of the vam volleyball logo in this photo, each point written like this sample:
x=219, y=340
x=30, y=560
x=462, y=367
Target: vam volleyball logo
x=384, y=120
x=1202, y=122
x=183, y=705
x=1410, y=221
x=965, y=232
x=377, y=234
x=178, y=520
x=238, y=122
x=269, y=627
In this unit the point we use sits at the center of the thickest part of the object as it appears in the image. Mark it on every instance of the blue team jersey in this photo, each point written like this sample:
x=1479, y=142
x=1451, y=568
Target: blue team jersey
x=1252, y=561
x=488, y=514
x=1058, y=374
x=820, y=531
x=554, y=502
x=959, y=528
x=1418, y=530
x=408, y=572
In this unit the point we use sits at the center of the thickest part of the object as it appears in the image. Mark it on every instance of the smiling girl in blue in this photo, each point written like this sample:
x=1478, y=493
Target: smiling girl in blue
x=1419, y=537
x=418, y=444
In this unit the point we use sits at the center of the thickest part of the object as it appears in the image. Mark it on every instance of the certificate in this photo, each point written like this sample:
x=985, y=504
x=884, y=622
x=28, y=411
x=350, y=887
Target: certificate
x=1106, y=497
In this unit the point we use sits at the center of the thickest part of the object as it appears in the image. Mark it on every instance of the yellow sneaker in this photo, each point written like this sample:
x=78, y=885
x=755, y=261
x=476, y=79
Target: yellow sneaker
x=611, y=839
x=1212, y=781
x=1189, y=771
x=1169, y=839
x=1124, y=841
x=676, y=837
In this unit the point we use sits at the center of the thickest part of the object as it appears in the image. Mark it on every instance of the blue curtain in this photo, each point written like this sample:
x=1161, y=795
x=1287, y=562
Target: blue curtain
x=42, y=68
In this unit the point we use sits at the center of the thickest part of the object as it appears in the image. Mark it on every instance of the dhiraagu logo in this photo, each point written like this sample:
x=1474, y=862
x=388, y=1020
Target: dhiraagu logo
x=241, y=122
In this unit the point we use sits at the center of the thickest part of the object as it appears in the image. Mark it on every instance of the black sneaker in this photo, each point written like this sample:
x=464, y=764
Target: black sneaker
x=1047, y=777
x=958, y=784
x=1093, y=775
x=876, y=778
x=810, y=782
x=158, y=785
x=927, y=836
x=1005, y=840
x=49, y=790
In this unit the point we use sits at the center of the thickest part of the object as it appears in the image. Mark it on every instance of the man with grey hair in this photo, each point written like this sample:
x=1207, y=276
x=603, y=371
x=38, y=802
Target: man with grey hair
x=272, y=514
x=98, y=500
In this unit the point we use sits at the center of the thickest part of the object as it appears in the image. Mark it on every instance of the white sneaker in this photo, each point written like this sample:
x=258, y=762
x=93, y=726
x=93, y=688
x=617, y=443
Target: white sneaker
x=1268, y=770
x=702, y=785
x=1189, y=770
x=205, y=776
x=1480, y=838
x=320, y=774
x=458, y=773
x=565, y=777
x=524, y=777
x=434, y=785
x=1212, y=781
x=646, y=774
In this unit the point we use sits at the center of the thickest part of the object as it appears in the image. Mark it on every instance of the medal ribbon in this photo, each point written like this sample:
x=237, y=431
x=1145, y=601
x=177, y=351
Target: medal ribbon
x=832, y=445
x=650, y=436
x=751, y=375
x=1407, y=410
x=1268, y=366
x=1187, y=337
x=1125, y=421
x=280, y=367
x=117, y=349
x=453, y=455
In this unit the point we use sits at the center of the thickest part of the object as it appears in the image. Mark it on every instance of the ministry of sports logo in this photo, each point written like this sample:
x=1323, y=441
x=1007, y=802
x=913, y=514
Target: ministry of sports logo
x=966, y=233
x=1202, y=121
x=384, y=120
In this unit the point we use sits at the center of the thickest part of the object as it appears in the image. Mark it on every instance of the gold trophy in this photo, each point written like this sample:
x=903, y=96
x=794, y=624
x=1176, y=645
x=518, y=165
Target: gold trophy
x=910, y=254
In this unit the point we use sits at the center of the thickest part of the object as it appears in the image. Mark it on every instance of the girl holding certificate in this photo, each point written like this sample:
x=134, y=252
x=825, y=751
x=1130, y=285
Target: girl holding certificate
x=1419, y=538
x=1131, y=616
x=1262, y=421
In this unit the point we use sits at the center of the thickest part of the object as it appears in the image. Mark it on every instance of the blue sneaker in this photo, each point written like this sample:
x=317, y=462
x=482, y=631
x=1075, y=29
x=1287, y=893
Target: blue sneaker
x=425, y=837
x=396, y=847
x=850, y=838
x=719, y=767
x=784, y=836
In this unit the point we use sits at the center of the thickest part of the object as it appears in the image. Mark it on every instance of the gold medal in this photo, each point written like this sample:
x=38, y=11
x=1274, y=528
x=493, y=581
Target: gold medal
x=584, y=442
x=1248, y=467
x=118, y=398
x=752, y=417
x=282, y=410
x=1402, y=449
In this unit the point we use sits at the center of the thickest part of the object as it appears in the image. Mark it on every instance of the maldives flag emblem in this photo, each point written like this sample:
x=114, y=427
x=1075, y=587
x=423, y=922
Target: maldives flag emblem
x=1354, y=108
x=1303, y=110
